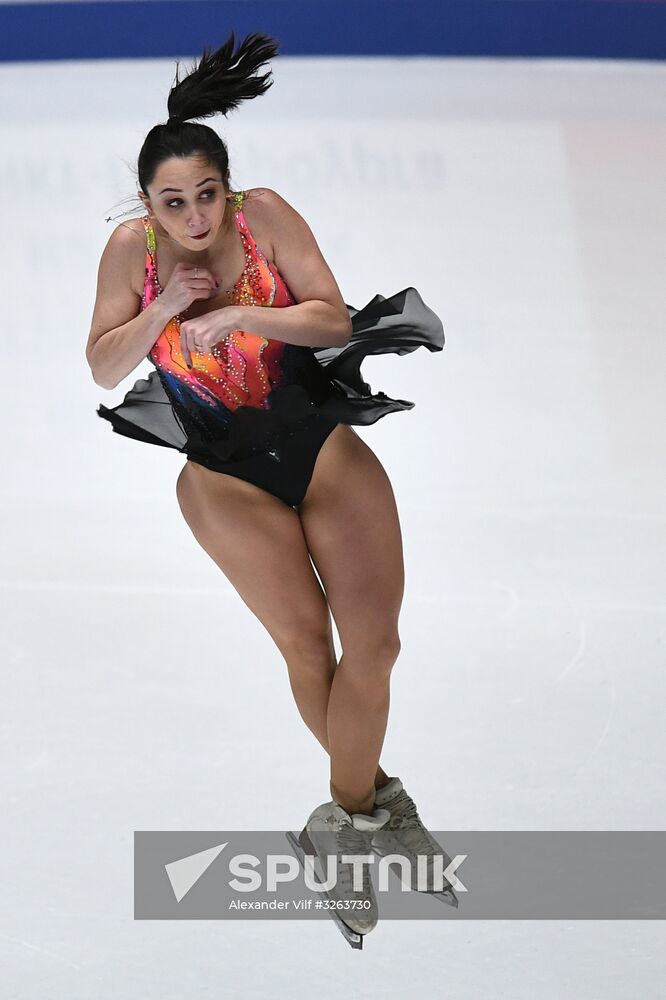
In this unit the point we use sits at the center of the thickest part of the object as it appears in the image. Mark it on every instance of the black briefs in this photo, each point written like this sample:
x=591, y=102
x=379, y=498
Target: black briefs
x=287, y=470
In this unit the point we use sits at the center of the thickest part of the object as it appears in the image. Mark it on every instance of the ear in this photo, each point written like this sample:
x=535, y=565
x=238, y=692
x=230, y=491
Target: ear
x=145, y=201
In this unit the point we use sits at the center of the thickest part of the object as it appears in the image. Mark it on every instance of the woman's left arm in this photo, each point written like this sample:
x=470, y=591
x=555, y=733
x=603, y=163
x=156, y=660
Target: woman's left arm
x=313, y=323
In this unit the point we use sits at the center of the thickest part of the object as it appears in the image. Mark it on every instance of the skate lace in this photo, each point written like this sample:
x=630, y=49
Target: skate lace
x=404, y=817
x=403, y=813
x=349, y=840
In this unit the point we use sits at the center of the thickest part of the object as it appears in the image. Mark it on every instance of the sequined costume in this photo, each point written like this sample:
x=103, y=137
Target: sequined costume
x=257, y=408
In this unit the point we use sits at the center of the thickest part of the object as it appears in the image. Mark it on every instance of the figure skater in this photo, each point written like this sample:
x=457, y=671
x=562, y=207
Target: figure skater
x=261, y=401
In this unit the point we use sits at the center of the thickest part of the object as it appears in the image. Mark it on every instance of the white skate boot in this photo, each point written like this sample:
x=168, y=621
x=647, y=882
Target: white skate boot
x=405, y=834
x=331, y=831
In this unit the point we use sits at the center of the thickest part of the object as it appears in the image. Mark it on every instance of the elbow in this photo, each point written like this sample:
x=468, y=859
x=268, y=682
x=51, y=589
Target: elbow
x=104, y=383
x=98, y=379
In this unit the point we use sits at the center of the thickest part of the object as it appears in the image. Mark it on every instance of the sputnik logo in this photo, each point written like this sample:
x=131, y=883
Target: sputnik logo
x=186, y=872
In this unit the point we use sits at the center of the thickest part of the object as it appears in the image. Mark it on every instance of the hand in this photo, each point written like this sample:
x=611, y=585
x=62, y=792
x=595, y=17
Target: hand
x=199, y=335
x=186, y=284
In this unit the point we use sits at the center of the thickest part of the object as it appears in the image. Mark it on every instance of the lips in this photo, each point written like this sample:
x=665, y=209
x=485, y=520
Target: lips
x=201, y=235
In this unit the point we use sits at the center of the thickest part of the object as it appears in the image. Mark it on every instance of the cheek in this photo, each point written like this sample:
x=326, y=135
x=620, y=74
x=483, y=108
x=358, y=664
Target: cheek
x=166, y=226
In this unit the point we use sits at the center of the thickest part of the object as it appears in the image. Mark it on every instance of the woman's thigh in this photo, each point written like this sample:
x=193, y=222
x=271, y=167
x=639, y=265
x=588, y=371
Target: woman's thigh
x=352, y=529
x=258, y=543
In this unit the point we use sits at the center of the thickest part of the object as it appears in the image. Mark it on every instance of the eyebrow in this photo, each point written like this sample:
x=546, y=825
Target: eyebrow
x=205, y=181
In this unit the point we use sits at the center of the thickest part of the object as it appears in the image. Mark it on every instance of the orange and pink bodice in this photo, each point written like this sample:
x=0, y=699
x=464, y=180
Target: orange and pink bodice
x=243, y=369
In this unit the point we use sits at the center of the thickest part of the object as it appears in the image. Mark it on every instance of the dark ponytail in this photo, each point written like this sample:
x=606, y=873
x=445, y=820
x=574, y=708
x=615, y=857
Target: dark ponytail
x=217, y=84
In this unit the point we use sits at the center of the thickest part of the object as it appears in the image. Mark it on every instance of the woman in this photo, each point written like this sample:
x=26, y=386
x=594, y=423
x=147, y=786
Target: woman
x=261, y=402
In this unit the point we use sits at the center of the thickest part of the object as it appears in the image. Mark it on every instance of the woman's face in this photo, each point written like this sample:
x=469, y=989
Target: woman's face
x=187, y=197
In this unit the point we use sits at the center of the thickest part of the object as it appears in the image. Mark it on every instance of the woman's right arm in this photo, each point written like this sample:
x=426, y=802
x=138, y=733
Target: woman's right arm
x=120, y=334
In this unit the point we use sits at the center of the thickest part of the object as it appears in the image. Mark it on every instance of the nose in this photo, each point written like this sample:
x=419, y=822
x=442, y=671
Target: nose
x=197, y=223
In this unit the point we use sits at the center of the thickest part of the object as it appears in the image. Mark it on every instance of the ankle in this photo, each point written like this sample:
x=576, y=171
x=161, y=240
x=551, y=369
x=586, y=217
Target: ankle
x=381, y=779
x=363, y=806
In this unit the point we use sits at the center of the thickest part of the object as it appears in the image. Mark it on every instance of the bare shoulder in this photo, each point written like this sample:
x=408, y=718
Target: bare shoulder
x=295, y=252
x=269, y=216
x=128, y=241
x=267, y=205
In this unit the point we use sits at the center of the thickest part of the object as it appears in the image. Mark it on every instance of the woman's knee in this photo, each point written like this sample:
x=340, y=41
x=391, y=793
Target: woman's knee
x=306, y=641
x=373, y=654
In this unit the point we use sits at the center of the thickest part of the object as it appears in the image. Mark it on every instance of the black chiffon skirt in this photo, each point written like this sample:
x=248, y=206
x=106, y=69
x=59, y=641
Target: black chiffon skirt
x=329, y=383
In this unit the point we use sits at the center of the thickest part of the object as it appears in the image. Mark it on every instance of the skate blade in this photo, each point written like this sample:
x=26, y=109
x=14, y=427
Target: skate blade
x=447, y=896
x=354, y=939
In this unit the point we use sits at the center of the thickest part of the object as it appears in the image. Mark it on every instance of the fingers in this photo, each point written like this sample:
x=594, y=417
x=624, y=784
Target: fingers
x=187, y=345
x=201, y=277
x=198, y=280
x=191, y=342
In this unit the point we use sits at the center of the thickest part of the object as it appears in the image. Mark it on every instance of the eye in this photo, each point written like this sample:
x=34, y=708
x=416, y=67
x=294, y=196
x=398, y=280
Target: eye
x=209, y=191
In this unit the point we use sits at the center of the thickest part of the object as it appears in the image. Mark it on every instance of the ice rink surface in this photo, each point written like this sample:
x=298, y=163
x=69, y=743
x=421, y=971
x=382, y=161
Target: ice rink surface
x=524, y=199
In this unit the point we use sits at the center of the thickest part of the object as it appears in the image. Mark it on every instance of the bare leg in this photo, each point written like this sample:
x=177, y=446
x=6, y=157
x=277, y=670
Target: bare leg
x=257, y=541
x=311, y=679
x=351, y=526
x=357, y=718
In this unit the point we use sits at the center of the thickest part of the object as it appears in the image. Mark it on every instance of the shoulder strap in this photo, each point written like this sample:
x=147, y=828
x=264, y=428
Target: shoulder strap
x=150, y=236
x=239, y=199
x=150, y=282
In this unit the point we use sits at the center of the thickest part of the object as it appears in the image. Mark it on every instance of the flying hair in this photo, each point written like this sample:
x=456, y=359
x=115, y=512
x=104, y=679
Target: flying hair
x=216, y=84
x=222, y=79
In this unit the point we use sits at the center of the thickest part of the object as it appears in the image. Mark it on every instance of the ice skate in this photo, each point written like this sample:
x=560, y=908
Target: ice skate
x=405, y=834
x=330, y=830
